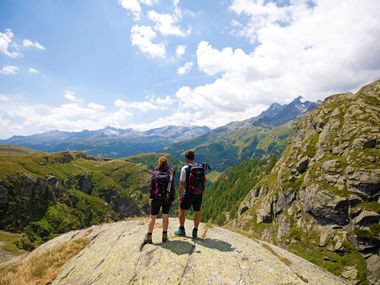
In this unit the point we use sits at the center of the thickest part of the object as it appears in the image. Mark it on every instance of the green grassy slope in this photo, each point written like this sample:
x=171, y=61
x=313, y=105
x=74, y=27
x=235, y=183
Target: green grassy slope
x=48, y=194
x=225, y=147
x=223, y=197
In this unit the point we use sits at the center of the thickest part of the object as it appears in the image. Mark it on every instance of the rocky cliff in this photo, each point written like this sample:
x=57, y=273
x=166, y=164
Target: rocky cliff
x=48, y=194
x=219, y=257
x=321, y=200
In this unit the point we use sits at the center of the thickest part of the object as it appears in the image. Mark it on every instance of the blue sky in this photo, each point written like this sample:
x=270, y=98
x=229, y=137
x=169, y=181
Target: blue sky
x=73, y=65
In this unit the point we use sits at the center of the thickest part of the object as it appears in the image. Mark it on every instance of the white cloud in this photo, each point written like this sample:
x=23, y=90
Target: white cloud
x=149, y=104
x=185, y=68
x=32, y=70
x=95, y=106
x=6, y=39
x=8, y=69
x=313, y=51
x=4, y=98
x=24, y=118
x=180, y=50
x=134, y=6
x=35, y=44
x=166, y=24
x=142, y=37
x=69, y=95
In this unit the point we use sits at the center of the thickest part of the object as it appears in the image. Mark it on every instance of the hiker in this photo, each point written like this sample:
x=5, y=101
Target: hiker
x=162, y=194
x=192, y=180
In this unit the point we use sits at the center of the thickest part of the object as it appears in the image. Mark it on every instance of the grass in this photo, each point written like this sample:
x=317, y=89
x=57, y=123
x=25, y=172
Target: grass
x=286, y=261
x=42, y=268
x=13, y=151
x=69, y=208
x=11, y=242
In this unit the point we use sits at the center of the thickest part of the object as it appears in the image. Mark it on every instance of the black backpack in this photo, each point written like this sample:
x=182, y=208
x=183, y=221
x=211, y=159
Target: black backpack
x=162, y=180
x=196, y=179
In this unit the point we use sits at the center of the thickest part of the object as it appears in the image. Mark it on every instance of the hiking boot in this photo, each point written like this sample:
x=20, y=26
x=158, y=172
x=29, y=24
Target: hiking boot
x=147, y=240
x=180, y=232
x=164, y=237
x=195, y=233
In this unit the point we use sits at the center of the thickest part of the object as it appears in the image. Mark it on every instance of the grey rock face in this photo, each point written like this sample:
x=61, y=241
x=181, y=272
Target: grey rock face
x=302, y=164
x=332, y=167
x=220, y=256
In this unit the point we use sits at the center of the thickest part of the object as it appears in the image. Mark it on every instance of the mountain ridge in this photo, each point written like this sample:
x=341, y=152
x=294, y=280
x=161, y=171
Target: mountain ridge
x=321, y=200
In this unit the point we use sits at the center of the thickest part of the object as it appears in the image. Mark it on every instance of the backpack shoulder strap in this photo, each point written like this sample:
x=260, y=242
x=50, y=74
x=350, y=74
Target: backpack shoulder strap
x=187, y=170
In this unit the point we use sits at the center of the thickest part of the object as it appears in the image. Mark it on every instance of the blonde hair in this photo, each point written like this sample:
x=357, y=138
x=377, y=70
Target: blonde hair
x=162, y=162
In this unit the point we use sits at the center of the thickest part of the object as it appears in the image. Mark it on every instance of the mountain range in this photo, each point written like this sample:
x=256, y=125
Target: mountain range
x=115, y=142
x=264, y=135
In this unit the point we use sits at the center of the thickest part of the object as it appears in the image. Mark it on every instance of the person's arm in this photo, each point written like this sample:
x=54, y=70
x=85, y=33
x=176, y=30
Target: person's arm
x=151, y=189
x=182, y=179
x=180, y=192
x=172, y=188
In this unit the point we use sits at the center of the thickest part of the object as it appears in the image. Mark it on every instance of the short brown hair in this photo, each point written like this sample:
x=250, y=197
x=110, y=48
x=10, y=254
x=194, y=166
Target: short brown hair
x=190, y=154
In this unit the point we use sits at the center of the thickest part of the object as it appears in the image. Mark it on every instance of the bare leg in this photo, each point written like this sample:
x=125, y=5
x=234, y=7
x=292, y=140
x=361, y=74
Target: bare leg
x=197, y=219
x=165, y=222
x=152, y=221
x=182, y=217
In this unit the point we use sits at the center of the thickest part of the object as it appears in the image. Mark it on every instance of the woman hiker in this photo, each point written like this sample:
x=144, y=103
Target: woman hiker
x=162, y=194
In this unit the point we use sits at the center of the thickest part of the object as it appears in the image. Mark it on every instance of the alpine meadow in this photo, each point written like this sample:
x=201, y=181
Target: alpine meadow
x=190, y=142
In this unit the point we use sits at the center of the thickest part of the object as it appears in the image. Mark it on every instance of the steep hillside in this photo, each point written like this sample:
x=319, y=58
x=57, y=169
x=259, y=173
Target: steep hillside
x=47, y=194
x=150, y=160
x=227, y=146
x=109, y=254
x=321, y=200
x=222, y=199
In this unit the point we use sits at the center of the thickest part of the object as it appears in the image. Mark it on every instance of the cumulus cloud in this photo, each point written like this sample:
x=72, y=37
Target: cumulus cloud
x=297, y=49
x=143, y=37
x=134, y=6
x=6, y=39
x=185, y=68
x=23, y=118
x=180, y=50
x=4, y=98
x=149, y=104
x=35, y=44
x=32, y=70
x=167, y=24
x=69, y=95
x=95, y=106
x=9, y=69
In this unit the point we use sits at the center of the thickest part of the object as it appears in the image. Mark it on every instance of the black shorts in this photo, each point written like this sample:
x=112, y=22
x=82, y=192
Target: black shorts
x=191, y=200
x=157, y=204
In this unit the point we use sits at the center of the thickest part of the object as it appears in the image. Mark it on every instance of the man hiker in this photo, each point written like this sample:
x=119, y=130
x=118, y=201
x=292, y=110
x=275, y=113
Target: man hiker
x=192, y=185
x=162, y=194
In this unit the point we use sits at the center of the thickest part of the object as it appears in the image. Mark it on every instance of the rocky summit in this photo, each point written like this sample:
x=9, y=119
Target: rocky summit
x=321, y=199
x=219, y=256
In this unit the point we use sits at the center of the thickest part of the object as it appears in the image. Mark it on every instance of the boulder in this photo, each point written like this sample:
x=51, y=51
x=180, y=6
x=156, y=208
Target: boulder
x=326, y=234
x=85, y=183
x=218, y=257
x=373, y=269
x=366, y=218
x=324, y=206
x=365, y=183
x=302, y=164
x=350, y=273
x=264, y=213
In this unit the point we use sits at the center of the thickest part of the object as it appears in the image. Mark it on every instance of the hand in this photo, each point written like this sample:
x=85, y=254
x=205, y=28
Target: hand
x=150, y=202
x=180, y=197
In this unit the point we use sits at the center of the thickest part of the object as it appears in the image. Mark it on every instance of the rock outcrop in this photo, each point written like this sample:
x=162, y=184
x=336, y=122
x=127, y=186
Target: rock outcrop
x=220, y=256
x=322, y=198
x=44, y=195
